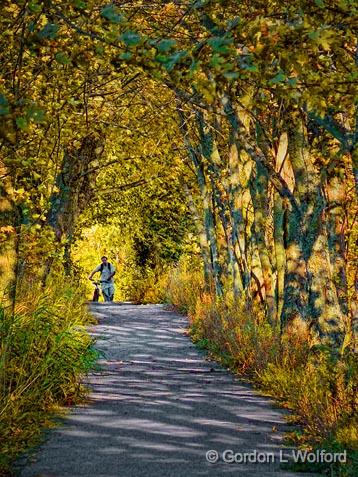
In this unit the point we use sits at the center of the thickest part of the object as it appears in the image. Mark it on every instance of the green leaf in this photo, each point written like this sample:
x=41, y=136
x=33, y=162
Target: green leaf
x=231, y=24
x=250, y=67
x=194, y=66
x=246, y=62
x=80, y=4
x=165, y=45
x=34, y=7
x=31, y=27
x=110, y=13
x=49, y=31
x=292, y=81
x=21, y=123
x=219, y=44
x=279, y=78
x=172, y=60
x=73, y=101
x=4, y=105
x=35, y=114
x=125, y=56
x=216, y=61
x=62, y=58
x=313, y=35
x=130, y=38
x=319, y=3
x=199, y=4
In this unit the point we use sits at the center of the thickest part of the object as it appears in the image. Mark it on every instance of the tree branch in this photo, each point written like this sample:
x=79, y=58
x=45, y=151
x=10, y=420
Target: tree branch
x=130, y=185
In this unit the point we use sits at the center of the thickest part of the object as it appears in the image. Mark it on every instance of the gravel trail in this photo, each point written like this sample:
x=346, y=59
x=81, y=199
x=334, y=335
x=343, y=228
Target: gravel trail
x=158, y=406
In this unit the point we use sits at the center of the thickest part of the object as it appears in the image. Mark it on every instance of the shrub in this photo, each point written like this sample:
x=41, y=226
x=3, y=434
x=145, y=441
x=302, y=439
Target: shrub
x=45, y=349
x=148, y=285
x=185, y=284
x=318, y=386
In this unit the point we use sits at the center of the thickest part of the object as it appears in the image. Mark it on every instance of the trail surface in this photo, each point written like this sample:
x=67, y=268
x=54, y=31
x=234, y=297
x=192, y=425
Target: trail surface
x=158, y=406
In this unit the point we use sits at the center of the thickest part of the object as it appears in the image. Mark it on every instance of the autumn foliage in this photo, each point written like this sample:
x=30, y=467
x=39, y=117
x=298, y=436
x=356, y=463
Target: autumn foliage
x=218, y=134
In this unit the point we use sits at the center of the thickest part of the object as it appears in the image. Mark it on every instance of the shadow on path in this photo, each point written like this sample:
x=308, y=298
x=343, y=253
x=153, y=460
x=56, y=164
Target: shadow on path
x=157, y=406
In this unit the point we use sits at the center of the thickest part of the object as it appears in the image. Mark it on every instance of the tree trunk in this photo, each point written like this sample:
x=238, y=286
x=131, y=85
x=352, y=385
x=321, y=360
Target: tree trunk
x=206, y=196
x=259, y=194
x=76, y=188
x=280, y=255
x=309, y=290
x=203, y=242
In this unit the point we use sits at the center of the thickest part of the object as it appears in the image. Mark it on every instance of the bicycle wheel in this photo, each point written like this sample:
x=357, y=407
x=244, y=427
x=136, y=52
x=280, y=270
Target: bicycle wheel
x=95, y=295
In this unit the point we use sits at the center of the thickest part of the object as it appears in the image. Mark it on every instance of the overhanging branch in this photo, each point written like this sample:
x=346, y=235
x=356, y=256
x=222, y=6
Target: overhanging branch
x=130, y=185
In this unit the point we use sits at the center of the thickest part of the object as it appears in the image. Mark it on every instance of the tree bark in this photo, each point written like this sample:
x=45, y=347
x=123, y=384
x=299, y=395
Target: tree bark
x=259, y=194
x=309, y=290
x=75, y=190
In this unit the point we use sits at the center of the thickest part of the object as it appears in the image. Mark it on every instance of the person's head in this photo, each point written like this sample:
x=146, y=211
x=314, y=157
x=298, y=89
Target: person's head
x=104, y=259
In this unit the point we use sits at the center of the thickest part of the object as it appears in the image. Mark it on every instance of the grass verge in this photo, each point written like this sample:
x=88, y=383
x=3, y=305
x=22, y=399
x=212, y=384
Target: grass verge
x=44, y=351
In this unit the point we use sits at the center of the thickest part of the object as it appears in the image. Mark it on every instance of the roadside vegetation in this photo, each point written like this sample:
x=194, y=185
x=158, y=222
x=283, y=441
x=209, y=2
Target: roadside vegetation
x=45, y=350
x=320, y=389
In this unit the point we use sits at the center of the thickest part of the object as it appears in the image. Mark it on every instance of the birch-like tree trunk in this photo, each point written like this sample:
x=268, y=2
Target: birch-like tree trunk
x=259, y=194
x=207, y=201
x=309, y=289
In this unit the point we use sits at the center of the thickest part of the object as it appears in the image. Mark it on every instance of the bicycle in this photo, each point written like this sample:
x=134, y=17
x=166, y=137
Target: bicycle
x=97, y=291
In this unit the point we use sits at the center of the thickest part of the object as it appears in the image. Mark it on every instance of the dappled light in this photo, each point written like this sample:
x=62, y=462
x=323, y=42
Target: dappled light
x=155, y=406
x=200, y=155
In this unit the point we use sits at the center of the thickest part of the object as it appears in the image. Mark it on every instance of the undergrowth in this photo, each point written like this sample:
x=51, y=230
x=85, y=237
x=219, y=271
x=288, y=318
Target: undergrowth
x=320, y=388
x=147, y=285
x=44, y=351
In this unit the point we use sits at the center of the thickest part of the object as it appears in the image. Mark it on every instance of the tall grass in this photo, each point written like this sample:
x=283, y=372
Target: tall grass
x=319, y=387
x=182, y=282
x=44, y=351
x=185, y=285
x=146, y=285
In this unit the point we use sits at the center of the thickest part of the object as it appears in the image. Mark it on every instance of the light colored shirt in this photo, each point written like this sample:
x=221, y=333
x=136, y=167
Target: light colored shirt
x=107, y=270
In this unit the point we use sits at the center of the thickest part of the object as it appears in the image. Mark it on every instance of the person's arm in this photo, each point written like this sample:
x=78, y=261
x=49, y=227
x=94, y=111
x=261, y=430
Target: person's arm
x=113, y=272
x=97, y=269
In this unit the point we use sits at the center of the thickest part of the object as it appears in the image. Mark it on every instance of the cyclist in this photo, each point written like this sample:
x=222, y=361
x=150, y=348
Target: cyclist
x=107, y=271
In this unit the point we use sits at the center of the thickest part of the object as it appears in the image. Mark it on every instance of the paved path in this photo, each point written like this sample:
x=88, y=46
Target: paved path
x=158, y=406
